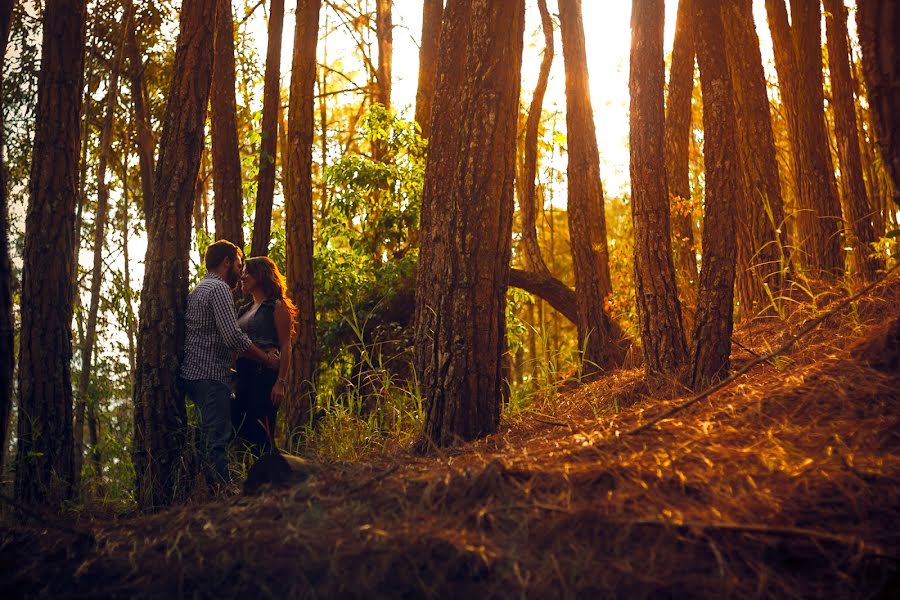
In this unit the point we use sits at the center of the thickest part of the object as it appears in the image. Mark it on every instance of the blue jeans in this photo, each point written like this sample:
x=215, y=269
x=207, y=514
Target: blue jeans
x=213, y=400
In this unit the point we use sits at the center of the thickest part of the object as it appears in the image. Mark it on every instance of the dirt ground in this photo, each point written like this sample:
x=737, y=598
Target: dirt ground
x=786, y=483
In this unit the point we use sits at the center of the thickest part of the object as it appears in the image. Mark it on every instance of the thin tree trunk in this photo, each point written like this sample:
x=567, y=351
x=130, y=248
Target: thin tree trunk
x=587, y=222
x=160, y=416
x=100, y=216
x=228, y=207
x=857, y=214
x=711, y=340
x=44, y=459
x=7, y=323
x=298, y=214
x=877, y=22
x=268, y=148
x=384, y=29
x=677, y=143
x=466, y=225
x=432, y=15
x=659, y=311
x=761, y=235
x=529, y=171
x=144, y=140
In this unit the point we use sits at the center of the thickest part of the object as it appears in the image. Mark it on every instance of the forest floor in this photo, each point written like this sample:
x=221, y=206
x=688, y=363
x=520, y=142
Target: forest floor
x=785, y=483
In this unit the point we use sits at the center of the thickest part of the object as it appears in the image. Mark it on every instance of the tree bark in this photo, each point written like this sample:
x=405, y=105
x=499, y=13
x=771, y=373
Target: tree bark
x=587, y=222
x=160, y=416
x=432, y=14
x=228, y=208
x=384, y=30
x=677, y=144
x=7, y=323
x=145, y=142
x=100, y=217
x=298, y=214
x=659, y=311
x=268, y=148
x=857, y=215
x=711, y=340
x=761, y=234
x=529, y=170
x=547, y=288
x=466, y=224
x=877, y=22
x=44, y=459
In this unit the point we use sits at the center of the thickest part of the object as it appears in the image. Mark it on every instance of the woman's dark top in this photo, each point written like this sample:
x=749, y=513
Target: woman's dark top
x=253, y=415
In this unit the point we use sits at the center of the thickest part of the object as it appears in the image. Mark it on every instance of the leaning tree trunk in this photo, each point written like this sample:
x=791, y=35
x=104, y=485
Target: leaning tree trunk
x=228, y=208
x=711, y=340
x=44, y=458
x=587, y=222
x=466, y=226
x=877, y=22
x=677, y=144
x=659, y=311
x=432, y=14
x=298, y=214
x=761, y=235
x=160, y=416
x=268, y=147
x=857, y=215
x=7, y=324
x=100, y=216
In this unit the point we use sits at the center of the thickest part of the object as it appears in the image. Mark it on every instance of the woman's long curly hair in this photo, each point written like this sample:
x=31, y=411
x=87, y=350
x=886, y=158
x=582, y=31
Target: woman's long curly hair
x=271, y=281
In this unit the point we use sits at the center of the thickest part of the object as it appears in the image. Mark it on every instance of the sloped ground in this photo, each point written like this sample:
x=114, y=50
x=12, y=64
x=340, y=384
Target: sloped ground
x=786, y=484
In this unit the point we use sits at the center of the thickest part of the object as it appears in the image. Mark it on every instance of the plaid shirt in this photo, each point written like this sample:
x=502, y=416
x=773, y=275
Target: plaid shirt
x=212, y=338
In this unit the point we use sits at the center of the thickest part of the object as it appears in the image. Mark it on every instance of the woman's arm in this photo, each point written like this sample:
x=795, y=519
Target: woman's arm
x=283, y=327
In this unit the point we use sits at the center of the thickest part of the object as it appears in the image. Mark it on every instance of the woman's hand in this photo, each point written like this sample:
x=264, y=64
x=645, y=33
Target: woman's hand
x=278, y=391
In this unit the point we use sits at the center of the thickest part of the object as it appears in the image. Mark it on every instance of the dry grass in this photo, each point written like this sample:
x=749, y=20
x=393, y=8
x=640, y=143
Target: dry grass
x=786, y=483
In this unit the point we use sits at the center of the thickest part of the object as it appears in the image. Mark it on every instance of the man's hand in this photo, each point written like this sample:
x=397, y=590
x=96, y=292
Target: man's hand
x=273, y=359
x=278, y=391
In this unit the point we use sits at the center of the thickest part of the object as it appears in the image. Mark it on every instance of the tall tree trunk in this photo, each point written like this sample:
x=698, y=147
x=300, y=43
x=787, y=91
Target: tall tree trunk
x=711, y=340
x=228, y=208
x=677, y=143
x=761, y=235
x=659, y=310
x=298, y=214
x=44, y=460
x=466, y=226
x=7, y=324
x=529, y=170
x=100, y=216
x=877, y=22
x=432, y=15
x=384, y=30
x=857, y=214
x=268, y=148
x=144, y=139
x=160, y=416
x=587, y=222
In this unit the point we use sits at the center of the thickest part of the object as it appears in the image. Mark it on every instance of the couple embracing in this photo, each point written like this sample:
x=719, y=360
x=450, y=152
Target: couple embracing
x=258, y=337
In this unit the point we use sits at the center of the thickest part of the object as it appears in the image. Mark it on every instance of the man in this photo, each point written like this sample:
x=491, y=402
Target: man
x=212, y=340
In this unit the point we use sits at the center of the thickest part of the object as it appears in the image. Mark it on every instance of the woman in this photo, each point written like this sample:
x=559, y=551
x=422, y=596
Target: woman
x=267, y=322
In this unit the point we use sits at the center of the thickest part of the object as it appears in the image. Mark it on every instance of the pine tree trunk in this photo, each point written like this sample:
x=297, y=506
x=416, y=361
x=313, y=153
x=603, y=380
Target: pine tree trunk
x=144, y=140
x=432, y=14
x=856, y=210
x=160, y=416
x=466, y=225
x=761, y=235
x=298, y=214
x=268, y=148
x=384, y=30
x=44, y=458
x=7, y=324
x=659, y=311
x=100, y=216
x=877, y=22
x=228, y=208
x=527, y=197
x=587, y=222
x=711, y=340
x=677, y=143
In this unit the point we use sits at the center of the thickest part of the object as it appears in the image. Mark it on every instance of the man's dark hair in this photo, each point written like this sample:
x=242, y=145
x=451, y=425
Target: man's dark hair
x=219, y=251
